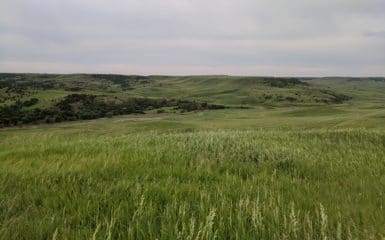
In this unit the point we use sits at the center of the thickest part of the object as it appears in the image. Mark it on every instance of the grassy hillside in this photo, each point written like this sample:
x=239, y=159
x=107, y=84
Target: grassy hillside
x=278, y=169
x=364, y=91
x=216, y=89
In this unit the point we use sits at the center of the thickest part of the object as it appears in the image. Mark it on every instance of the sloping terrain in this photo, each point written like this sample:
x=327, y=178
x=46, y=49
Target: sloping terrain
x=36, y=98
x=217, y=89
x=167, y=166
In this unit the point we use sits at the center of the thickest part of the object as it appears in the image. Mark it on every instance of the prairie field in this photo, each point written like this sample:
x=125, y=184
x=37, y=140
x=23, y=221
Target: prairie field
x=270, y=170
x=192, y=120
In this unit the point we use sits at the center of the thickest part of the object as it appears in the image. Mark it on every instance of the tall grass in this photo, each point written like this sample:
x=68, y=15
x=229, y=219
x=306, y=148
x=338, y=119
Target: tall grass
x=222, y=184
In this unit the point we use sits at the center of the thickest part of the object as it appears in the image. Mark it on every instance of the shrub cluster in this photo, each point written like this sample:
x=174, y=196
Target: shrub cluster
x=283, y=82
x=334, y=97
x=83, y=106
x=125, y=82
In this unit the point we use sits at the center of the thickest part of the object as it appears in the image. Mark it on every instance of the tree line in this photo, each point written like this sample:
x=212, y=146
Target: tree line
x=83, y=106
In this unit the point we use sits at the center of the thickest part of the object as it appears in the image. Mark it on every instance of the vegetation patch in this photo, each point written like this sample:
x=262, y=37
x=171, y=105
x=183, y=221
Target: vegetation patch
x=283, y=82
x=125, y=82
x=335, y=97
x=83, y=106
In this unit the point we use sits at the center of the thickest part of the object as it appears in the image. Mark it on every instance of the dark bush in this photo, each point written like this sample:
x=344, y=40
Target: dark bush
x=30, y=102
x=82, y=106
x=283, y=82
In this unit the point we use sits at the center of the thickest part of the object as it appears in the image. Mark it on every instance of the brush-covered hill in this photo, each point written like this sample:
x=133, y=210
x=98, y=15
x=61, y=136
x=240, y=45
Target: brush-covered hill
x=363, y=91
x=34, y=98
x=217, y=89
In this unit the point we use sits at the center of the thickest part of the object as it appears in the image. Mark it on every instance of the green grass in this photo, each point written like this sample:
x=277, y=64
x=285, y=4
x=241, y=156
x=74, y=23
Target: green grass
x=273, y=171
x=169, y=176
x=223, y=184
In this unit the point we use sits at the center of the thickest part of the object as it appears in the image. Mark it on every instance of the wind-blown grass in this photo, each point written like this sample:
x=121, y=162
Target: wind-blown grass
x=221, y=184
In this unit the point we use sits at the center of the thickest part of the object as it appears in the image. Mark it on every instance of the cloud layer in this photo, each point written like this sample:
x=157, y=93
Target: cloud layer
x=242, y=37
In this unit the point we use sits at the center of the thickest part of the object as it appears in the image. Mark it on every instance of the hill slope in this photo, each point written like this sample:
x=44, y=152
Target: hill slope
x=276, y=169
x=219, y=89
x=35, y=98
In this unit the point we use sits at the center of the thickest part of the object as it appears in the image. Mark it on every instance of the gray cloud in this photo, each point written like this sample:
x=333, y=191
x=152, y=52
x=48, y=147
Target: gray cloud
x=250, y=37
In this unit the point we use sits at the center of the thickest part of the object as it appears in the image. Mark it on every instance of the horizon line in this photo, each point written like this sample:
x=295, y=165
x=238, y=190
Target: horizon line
x=190, y=75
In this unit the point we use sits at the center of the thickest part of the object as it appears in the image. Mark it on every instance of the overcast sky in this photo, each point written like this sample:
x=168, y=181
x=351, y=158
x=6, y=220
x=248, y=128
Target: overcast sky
x=180, y=37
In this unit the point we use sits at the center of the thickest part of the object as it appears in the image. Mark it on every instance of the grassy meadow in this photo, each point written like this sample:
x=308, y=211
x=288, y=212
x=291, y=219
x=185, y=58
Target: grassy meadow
x=273, y=170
